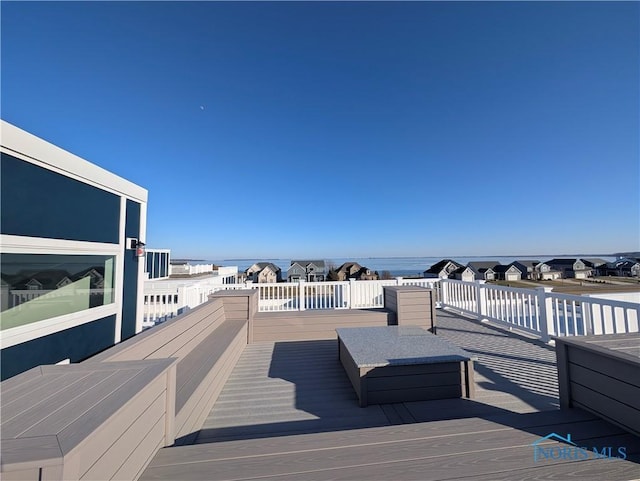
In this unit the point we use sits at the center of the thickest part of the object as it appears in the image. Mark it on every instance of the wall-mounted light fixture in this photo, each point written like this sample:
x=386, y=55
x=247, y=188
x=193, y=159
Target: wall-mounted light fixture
x=137, y=246
x=140, y=250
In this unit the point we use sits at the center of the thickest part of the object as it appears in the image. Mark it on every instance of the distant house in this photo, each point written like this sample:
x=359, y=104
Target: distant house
x=598, y=266
x=483, y=270
x=508, y=272
x=443, y=269
x=625, y=267
x=264, y=272
x=353, y=270
x=544, y=272
x=464, y=273
x=571, y=268
x=528, y=268
x=308, y=270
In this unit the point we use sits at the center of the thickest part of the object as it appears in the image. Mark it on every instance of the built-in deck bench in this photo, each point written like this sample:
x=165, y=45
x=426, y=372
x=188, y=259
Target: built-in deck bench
x=107, y=416
x=601, y=374
x=86, y=421
x=206, y=343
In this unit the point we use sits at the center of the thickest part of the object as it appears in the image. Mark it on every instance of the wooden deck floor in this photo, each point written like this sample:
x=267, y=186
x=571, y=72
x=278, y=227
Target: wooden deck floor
x=288, y=411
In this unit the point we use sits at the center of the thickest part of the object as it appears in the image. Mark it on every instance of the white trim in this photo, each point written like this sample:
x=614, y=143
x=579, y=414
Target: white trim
x=142, y=263
x=14, y=244
x=16, y=142
x=119, y=287
x=34, y=330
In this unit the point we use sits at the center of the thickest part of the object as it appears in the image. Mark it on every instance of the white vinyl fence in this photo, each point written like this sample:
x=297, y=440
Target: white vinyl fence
x=540, y=311
x=164, y=301
x=537, y=311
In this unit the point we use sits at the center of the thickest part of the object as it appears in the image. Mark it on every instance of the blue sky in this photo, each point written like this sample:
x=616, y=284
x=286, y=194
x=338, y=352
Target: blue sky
x=338, y=129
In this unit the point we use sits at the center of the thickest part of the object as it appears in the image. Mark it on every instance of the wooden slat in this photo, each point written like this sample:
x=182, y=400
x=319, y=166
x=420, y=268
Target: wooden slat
x=103, y=438
x=590, y=470
x=29, y=453
x=413, y=369
x=613, y=367
x=79, y=431
x=149, y=341
x=104, y=467
x=138, y=458
x=325, y=322
x=350, y=368
x=414, y=381
x=572, y=421
x=93, y=392
x=413, y=394
x=610, y=387
x=606, y=407
x=20, y=381
x=23, y=475
x=38, y=419
x=195, y=366
x=586, y=343
x=186, y=341
x=48, y=392
x=441, y=457
x=201, y=401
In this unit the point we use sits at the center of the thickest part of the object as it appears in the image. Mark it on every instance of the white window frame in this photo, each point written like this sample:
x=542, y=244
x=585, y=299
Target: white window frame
x=35, y=245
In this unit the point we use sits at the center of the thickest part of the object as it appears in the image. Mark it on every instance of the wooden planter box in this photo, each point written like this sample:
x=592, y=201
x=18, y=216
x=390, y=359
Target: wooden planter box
x=413, y=306
x=601, y=374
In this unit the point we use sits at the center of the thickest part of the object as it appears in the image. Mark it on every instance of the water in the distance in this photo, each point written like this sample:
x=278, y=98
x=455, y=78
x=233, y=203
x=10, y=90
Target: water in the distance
x=397, y=266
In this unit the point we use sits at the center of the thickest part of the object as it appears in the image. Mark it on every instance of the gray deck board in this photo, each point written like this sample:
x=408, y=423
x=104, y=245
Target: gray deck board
x=421, y=455
x=288, y=412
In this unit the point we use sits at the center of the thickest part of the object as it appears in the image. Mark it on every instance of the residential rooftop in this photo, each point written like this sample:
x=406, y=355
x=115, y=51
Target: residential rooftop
x=226, y=392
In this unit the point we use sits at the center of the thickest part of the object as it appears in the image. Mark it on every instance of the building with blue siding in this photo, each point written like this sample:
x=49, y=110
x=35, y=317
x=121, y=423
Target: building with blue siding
x=71, y=281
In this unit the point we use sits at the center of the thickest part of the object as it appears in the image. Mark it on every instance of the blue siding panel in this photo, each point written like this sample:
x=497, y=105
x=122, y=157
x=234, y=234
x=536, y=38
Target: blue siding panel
x=37, y=202
x=76, y=343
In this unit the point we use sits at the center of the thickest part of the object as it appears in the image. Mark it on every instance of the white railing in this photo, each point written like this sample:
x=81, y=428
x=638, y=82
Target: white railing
x=190, y=269
x=537, y=311
x=540, y=311
x=166, y=300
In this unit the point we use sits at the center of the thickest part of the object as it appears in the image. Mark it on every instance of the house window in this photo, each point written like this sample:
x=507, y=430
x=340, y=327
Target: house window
x=65, y=284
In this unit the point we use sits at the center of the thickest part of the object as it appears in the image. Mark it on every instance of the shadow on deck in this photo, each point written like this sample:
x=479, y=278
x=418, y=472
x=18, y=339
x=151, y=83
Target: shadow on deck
x=298, y=387
x=288, y=411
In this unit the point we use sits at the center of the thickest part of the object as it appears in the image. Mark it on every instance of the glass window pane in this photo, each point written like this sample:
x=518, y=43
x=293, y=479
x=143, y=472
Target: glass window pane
x=35, y=287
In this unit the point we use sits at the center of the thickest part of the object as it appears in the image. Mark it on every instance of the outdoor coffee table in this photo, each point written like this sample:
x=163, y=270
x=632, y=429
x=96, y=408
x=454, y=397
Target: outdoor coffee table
x=392, y=364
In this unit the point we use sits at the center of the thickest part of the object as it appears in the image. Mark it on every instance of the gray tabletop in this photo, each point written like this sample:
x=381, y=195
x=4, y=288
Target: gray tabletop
x=398, y=345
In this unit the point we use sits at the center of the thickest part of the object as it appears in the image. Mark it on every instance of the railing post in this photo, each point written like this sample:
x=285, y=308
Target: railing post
x=301, y=296
x=352, y=293
x=481, y=300
x=398, y=281
x=545, y=308
x=587, y=318
x=182, y=297
x=444, y=292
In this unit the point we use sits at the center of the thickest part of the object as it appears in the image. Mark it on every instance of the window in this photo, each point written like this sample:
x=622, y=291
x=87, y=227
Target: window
x=41, y=286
